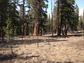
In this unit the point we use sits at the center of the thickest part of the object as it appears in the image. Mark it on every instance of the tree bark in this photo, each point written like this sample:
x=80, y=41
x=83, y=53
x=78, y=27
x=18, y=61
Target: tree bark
x=37, y=19
x=36, y=29
x=58, y=28
x=1, y=21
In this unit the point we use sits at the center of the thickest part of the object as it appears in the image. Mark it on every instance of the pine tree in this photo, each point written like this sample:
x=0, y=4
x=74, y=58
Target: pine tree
x=7, y=9
x=76, y=17
x=10, y=29
x=65, y=13
x=55, y=18
x=58, y=17
x=39, y=13
x=3, y=16
x=10, y=32
x=81, y=23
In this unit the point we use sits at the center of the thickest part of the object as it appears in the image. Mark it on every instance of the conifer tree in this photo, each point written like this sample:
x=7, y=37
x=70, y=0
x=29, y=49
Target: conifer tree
x=65, y=14
x=10, y=32
x=39, y=13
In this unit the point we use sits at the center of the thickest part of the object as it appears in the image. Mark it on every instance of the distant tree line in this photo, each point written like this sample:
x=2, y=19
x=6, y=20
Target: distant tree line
x=32, y=18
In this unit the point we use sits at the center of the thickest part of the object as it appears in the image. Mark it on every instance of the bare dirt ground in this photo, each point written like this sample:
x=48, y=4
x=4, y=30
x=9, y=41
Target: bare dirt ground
x=44, y=50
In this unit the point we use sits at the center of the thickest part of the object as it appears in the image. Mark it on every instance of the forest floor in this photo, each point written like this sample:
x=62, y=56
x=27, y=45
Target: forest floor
x=43, y=50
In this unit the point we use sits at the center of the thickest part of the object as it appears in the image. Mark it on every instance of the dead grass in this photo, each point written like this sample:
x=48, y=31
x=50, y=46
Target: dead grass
x=45, y=50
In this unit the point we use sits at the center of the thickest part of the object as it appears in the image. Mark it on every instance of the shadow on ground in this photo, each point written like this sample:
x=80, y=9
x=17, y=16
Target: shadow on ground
x=74, y=35
x=32, y=59
x=28, y=42
x=4, y=57
x=12, y=58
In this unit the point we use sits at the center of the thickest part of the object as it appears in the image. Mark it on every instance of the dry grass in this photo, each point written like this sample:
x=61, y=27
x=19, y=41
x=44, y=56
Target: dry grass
x=46, y=50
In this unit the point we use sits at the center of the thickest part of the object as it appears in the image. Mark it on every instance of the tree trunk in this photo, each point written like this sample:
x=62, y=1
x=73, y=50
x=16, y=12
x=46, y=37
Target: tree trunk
x=27, y=29
x=36, y=29
x=41, y=31
x=66, y=29
x=2, y=32
x=37, y=19
x=59, y=32
x=58, y=29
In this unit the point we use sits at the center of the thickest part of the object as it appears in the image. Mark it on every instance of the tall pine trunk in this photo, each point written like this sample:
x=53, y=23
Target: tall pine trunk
x=59, y=20
x=37, y=19
x=58, y=17
x=2, y=32
x=36, y=29
x=1, y=24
